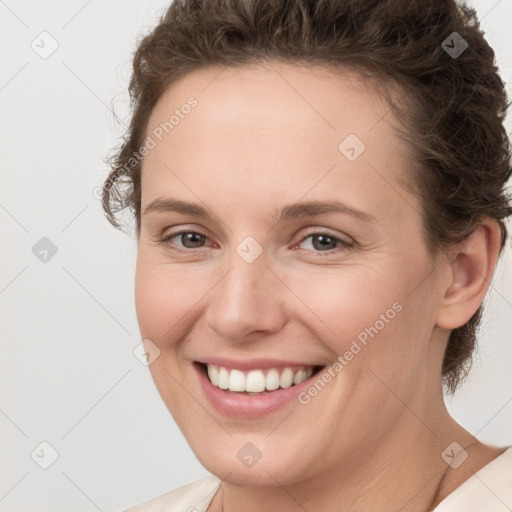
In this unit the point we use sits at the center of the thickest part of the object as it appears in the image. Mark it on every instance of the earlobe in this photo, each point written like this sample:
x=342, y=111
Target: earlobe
x=470, y=274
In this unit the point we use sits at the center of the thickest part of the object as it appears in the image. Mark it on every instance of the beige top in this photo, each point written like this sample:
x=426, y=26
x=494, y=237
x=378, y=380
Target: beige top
x=489, y=490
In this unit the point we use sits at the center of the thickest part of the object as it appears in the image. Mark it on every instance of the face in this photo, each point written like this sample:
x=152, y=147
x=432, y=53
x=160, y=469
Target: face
x=271, y=238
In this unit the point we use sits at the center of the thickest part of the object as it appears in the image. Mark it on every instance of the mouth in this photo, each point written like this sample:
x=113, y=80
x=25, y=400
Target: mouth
x=253, y=388
x=257, y=381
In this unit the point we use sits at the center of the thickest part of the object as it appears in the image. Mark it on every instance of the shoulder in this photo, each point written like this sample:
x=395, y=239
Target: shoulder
x=489, y=489
x=193, y=497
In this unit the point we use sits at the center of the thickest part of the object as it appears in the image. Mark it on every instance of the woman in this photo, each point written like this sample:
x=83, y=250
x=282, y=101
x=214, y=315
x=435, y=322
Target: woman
x=318, y=191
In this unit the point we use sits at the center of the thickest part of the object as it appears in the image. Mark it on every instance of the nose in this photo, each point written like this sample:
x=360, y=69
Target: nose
x=249, y=300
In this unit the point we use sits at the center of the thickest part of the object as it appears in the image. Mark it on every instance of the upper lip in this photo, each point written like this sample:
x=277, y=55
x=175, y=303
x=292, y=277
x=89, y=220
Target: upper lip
x=254, y=364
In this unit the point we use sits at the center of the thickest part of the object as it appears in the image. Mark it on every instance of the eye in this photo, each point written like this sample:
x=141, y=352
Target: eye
x=188, y=239
x=321, y=242
x=325, y=242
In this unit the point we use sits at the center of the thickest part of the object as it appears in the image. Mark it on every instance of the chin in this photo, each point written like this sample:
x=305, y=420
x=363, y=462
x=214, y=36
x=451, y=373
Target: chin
x=243, y=462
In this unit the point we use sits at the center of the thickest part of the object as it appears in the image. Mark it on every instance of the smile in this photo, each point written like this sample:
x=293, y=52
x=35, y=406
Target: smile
x=252, y=389
x=256, y=381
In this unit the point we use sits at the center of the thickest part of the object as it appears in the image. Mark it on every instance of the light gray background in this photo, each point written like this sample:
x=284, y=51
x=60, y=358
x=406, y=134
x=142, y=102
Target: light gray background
x=68, y=373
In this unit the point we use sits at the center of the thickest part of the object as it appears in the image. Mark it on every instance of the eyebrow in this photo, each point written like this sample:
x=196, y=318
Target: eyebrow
x=292, y=211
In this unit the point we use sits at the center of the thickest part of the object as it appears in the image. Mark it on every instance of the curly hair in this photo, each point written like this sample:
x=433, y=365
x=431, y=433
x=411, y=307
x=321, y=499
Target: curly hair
x=451, y=111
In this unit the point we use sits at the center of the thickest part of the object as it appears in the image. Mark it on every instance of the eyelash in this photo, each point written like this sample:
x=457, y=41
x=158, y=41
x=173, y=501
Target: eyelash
x=342, y=244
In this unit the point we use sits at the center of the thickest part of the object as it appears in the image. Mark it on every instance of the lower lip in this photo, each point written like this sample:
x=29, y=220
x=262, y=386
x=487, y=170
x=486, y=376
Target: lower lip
x=243, y=405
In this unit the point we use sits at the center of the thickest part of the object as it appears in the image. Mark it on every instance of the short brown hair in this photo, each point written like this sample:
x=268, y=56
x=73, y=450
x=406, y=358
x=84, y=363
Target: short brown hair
x=452, y=118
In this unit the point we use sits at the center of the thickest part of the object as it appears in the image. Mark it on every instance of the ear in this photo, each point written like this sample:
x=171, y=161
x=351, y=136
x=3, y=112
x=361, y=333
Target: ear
x=470, y=274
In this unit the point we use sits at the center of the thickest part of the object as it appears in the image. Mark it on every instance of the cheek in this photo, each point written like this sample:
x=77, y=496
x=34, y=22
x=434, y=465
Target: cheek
x=375, y=316
x=164, y=297
x=346, y=302
x=162, y=301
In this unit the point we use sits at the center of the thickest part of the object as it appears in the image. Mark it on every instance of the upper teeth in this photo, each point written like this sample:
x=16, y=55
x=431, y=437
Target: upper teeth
x=256, y=381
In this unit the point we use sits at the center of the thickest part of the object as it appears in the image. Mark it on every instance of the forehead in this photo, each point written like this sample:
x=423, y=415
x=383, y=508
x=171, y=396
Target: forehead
x=315, y=99
x=272, y=128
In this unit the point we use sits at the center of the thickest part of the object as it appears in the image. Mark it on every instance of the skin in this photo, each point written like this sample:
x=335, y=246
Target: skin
x=265, y=136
